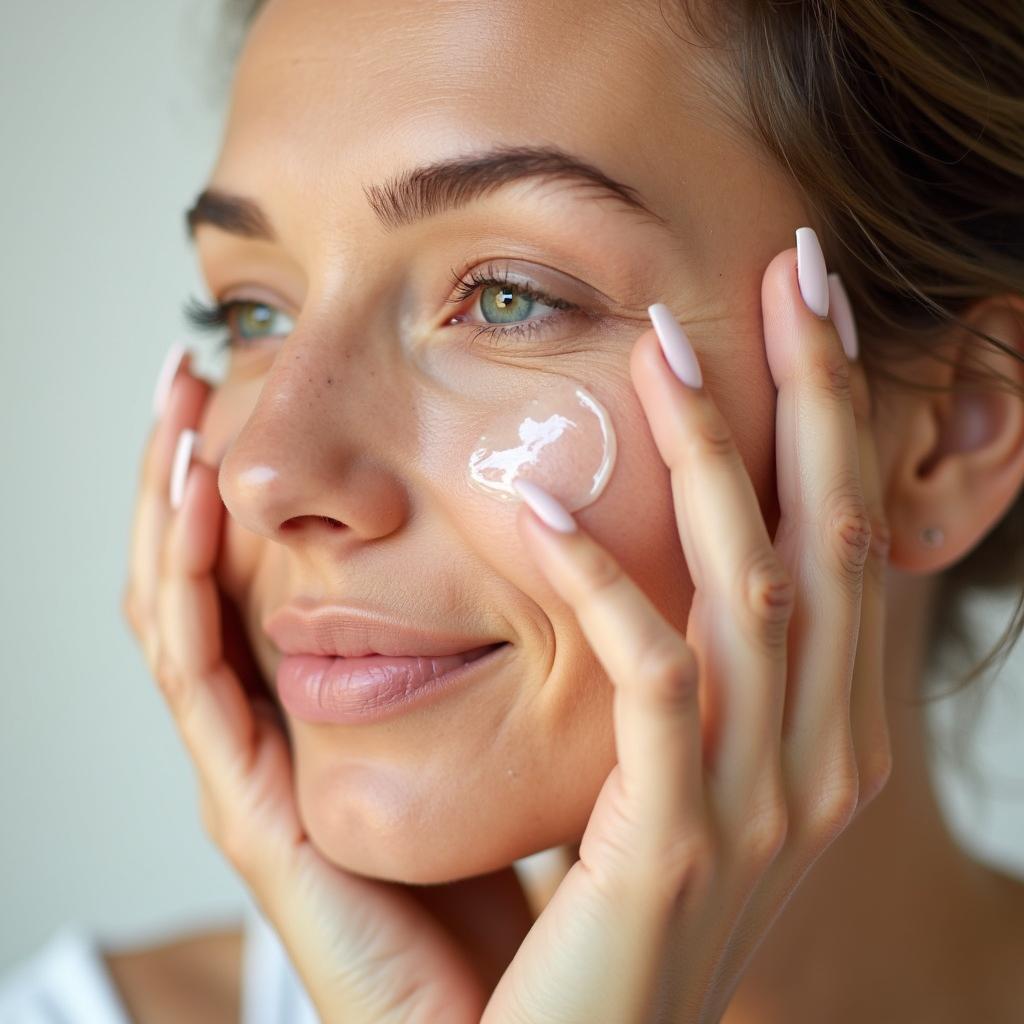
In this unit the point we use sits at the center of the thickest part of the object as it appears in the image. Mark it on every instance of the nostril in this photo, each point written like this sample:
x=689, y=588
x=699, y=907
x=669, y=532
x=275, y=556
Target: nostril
x=298, y=521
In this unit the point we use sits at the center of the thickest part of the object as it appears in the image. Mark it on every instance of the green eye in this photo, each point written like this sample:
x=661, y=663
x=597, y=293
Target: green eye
x=258, y=319
x=508, y=301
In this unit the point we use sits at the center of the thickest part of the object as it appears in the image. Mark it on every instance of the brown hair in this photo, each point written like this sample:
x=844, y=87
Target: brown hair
x=902, y=124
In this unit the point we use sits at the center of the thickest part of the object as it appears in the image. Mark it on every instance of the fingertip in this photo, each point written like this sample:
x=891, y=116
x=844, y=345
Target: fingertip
x=545, y=505
x=803, y=303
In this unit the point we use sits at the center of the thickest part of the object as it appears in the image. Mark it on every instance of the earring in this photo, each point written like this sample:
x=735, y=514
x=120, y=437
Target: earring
x=932, y=536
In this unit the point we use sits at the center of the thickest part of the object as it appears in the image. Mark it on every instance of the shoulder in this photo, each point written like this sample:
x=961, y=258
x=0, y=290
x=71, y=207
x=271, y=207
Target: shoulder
x=71, y=979
x=195, y=977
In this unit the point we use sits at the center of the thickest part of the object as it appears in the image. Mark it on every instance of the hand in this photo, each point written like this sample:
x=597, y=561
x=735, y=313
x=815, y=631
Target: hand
x=746, y=748
x=367, y=951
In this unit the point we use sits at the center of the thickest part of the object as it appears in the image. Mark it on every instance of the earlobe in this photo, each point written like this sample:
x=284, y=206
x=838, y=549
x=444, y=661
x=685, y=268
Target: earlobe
x=962, y=463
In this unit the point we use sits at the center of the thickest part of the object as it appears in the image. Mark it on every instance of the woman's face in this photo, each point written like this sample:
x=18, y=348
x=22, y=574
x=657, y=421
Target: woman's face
x=365, y=391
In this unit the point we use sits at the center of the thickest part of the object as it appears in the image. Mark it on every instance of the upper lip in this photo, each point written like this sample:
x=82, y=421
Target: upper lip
x=347, y=631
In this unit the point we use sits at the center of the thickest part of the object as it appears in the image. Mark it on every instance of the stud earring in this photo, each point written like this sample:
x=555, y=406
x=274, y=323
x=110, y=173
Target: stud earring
x=932, y=536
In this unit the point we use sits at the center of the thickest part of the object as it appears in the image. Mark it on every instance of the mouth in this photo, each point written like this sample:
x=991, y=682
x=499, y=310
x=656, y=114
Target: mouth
x=328, y=688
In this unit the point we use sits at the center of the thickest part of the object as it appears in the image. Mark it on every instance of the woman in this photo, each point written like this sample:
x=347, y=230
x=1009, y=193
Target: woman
x=553, y=498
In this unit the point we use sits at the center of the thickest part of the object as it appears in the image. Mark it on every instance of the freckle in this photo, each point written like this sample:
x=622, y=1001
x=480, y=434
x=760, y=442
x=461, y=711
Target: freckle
x=330, y=380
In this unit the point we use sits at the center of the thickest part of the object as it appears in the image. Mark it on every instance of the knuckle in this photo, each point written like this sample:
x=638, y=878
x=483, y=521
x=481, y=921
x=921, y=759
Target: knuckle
x=832, y=373
x=860, y=392
x=236, y=845
x=768, y=593
x=129, y=610
x=170, y=680
x=601, y=571
x=836, y=804
x=688, y=863
x=875, y=774
x=850, y=533
x=711, y=436
x=881, y=543
x=668, y=671
x=764, y=835
x=210, y=817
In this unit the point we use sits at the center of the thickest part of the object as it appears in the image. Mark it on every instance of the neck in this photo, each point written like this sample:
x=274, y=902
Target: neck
x=894, y=912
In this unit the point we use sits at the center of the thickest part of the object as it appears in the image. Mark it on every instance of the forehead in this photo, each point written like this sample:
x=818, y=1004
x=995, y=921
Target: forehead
x=324, y=91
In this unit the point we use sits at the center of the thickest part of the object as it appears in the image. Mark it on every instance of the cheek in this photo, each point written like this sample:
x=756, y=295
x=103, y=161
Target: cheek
x=631, y=513
x=589, y=444
x=635, y=520
x=563, y=440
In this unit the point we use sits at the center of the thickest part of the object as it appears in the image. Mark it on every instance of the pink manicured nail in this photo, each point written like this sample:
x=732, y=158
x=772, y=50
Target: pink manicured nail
x=549, y=508
x=187, y=440
x=165, y=377
x=810, y=271
x=675, y=345
x=842, y=315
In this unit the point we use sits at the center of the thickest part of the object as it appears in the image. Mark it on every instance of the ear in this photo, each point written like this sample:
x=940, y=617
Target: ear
x=960, y=462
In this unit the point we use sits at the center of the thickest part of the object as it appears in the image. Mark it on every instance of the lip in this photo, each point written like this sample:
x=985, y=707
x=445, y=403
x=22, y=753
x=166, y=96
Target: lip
x=349, y=631
x=348, y=664
x=345, y=691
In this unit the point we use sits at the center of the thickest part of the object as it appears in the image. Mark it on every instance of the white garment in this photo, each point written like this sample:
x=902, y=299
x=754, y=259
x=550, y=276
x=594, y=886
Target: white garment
x=66, y=981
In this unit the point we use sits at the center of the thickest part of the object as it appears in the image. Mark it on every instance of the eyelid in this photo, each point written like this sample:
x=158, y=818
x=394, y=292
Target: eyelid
x=257, y=295
x=555, y=283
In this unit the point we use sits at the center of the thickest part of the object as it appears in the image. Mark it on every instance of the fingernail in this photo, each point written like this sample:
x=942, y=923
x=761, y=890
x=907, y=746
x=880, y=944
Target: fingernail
x=675, y=345
x=187, y=440
x=164, y=379
x=548, y=507
x=810, y=271
x=842, y=315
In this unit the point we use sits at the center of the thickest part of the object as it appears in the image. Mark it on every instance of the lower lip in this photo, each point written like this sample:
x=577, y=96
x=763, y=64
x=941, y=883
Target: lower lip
x=343, y=691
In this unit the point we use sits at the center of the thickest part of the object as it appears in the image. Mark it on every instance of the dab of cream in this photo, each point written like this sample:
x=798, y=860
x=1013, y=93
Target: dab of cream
x=563, y=441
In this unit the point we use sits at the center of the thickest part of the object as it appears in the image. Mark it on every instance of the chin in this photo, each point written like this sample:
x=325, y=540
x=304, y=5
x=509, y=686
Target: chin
x=363, y=821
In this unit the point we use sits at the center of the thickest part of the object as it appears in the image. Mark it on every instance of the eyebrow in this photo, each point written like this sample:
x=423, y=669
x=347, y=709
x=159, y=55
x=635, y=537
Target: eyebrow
x=433, y=189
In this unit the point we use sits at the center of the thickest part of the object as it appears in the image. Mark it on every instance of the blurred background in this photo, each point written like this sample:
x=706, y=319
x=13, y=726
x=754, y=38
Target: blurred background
x=111, y=116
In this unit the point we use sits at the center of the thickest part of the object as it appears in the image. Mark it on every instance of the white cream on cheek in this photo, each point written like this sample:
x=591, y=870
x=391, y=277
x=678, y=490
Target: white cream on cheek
x=563, y=441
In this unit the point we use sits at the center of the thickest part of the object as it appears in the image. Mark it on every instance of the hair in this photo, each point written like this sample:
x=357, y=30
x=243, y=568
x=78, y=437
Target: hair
x=902, y=126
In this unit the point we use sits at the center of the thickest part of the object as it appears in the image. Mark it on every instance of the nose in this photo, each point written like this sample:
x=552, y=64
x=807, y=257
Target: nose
x=313, y=461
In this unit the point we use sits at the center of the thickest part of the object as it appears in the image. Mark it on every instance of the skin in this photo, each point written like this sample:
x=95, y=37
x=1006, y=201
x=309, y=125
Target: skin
x=399, y=800
x=312, y=118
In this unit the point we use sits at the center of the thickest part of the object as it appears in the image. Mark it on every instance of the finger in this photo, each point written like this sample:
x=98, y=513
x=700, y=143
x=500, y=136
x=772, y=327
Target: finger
x=654, y=672
x=184, y=398
x=868, y=716
x=209, y=706
x=823, y=532
x=743, y=596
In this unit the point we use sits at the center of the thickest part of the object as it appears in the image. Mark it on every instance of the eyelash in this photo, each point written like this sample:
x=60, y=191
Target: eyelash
x=216, y=316
x=489, y=276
